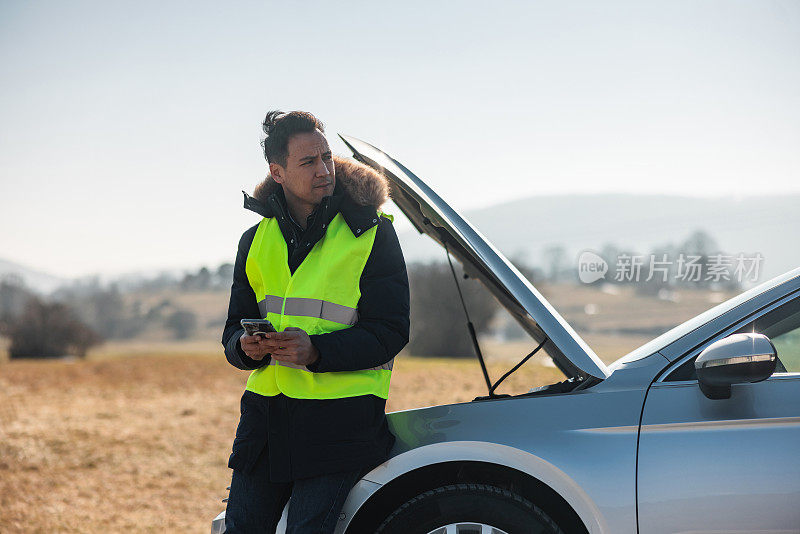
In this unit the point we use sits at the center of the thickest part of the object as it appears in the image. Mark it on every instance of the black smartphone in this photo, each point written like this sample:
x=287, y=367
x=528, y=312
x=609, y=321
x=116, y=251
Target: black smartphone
x=253, y=327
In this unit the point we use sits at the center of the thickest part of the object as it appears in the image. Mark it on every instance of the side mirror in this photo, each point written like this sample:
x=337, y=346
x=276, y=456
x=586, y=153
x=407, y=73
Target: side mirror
x=736, y=359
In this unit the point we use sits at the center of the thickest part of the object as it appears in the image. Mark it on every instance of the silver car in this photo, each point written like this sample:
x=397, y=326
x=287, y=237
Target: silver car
x=697, y=431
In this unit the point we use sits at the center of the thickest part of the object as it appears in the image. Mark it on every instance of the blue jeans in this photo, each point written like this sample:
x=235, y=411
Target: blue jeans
x=255, y=504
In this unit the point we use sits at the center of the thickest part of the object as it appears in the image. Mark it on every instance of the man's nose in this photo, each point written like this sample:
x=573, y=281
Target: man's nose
x=324, y=169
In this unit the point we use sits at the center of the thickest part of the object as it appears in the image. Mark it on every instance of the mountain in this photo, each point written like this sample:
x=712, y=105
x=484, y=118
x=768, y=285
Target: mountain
x=35, y=280
x=637, y=223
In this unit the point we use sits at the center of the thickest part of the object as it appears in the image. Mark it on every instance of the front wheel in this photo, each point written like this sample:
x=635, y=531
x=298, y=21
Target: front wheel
x=468, y=509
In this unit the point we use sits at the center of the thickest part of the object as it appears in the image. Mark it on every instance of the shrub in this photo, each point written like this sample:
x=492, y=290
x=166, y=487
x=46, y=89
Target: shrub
x=438, y=324
x=49, y=330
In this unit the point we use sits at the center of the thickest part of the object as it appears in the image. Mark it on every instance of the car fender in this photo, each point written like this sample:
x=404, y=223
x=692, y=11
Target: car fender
x=478, y=451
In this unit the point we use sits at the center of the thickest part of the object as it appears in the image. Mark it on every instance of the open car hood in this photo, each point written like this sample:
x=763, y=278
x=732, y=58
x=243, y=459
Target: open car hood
x=433, y=216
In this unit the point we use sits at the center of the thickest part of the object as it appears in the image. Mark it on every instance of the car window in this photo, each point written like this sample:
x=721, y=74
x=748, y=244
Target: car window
x=785, y=335
x=781, y=326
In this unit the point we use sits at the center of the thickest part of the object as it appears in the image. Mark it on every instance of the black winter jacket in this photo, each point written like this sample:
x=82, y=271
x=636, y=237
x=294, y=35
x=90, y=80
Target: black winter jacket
x=303, y=437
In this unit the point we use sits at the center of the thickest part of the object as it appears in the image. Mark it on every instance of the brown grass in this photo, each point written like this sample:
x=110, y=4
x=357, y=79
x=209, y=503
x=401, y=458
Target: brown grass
x=137, y=438
x=140, y=443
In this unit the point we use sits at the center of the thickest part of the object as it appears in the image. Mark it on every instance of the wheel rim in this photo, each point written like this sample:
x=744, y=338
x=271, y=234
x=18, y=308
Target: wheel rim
x=467, y=527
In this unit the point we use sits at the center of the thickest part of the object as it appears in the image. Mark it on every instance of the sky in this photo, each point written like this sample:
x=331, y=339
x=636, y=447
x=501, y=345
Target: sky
x=128, y=129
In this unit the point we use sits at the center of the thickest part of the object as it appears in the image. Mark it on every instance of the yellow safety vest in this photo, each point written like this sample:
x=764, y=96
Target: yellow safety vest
x=321, y=296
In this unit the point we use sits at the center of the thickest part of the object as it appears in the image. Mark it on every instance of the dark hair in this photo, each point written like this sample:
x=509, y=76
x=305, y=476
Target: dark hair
x=279, y=127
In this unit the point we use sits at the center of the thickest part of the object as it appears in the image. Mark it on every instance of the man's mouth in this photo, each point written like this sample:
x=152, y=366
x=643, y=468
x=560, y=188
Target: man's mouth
x=326, y=184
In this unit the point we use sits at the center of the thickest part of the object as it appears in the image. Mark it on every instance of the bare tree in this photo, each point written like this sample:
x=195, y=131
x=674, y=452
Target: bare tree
x=183, y=323
x=555, y=256
x=13, y=296
x=438, y=324
x=49, y=330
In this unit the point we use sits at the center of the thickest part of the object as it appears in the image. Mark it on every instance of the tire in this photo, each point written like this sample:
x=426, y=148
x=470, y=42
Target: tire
x=458, y=505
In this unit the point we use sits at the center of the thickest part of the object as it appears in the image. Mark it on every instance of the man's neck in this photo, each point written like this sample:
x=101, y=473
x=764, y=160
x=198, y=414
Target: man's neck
x=299, y=210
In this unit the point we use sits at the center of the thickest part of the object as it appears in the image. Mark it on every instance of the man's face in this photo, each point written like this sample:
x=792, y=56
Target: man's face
x=309, y=174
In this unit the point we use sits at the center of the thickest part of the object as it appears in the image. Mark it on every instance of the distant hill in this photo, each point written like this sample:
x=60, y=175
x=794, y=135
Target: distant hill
x=35, y=280
x=525, y=228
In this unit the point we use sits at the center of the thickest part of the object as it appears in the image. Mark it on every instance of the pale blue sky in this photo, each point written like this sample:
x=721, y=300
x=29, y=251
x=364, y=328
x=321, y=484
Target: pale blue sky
x=128, y=129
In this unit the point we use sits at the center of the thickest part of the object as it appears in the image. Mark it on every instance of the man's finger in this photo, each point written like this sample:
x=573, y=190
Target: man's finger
x=284, y=357
x=285, y=335
x=277, y=343
x=285, y=350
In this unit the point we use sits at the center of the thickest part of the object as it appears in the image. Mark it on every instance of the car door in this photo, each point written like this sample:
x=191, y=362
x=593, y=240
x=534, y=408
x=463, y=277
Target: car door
x=728, y=465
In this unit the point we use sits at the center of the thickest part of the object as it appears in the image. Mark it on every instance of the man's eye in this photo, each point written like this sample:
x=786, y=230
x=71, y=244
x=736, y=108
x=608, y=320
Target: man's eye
x=305, y=163
x=328, y=157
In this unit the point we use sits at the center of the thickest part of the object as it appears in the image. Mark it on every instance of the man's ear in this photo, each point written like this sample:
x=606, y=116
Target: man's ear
x=276, y=171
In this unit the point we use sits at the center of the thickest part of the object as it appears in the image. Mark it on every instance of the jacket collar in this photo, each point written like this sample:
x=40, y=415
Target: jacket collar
x=358, y=194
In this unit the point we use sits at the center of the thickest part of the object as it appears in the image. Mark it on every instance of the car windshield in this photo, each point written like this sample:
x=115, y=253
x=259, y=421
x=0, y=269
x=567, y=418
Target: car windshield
x=692, y=324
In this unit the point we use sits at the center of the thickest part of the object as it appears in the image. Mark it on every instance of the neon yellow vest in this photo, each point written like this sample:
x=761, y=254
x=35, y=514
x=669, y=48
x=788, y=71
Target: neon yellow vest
x=320, y=297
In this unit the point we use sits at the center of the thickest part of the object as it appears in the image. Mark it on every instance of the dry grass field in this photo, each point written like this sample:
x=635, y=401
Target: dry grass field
x=140, y=443
x=137, y=437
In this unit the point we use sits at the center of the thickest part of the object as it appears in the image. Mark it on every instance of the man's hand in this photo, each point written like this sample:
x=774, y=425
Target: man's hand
x=292, y=345
x=255, y=347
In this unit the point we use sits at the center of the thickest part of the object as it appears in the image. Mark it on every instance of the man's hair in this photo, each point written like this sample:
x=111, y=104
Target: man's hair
x=279, y=127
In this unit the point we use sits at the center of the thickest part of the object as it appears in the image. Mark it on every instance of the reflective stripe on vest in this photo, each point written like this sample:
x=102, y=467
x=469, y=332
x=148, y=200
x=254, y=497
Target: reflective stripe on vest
x=309, y=308
x=321, y=296
x=386, y=366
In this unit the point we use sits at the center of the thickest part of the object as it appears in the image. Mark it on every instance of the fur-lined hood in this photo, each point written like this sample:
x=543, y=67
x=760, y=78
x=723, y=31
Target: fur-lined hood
x=364, y=185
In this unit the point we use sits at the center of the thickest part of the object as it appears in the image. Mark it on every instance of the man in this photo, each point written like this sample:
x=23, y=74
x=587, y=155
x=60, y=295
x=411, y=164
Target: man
x=325, y=267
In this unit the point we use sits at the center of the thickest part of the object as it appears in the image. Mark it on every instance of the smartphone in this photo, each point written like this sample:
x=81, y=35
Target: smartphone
x=253, y=327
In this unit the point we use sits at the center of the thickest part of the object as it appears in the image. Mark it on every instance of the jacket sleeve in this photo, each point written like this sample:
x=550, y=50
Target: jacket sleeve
x=383, y=312
x=243, y=305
